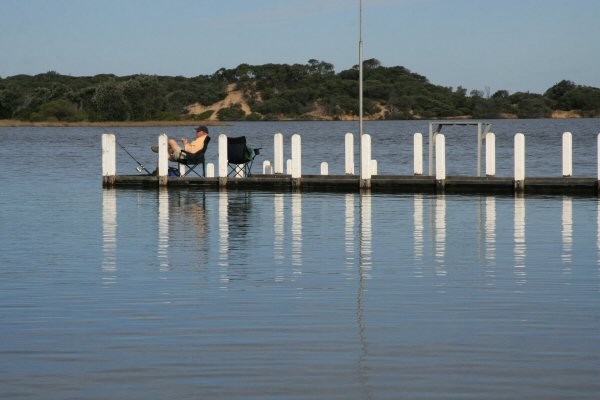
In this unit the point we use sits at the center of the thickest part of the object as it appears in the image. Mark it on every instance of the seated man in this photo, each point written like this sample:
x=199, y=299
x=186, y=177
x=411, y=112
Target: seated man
x=194, y=146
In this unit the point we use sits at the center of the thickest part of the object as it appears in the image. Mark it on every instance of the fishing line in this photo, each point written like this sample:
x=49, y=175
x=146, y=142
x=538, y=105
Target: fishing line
x=140, y=165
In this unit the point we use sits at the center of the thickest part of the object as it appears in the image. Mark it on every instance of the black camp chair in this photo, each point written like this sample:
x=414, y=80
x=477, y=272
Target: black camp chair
x=192, y=160
x=239, y=156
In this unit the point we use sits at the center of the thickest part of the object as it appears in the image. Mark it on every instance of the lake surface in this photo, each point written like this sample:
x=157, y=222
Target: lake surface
x=147, y=294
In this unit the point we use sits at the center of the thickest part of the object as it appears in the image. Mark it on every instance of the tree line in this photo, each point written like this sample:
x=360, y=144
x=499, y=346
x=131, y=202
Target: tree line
x=276, y=91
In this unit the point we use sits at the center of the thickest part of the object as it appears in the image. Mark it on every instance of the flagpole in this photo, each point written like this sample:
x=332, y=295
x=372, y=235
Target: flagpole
x=360, y=75
x=360, y=90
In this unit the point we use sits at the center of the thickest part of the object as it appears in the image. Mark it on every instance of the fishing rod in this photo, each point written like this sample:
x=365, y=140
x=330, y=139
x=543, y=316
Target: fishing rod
x=140, y=165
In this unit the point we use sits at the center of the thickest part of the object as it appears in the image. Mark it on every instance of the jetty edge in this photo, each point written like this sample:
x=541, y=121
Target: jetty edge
x=274, y=178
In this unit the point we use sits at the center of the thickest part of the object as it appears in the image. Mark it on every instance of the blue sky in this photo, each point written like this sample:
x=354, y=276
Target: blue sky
x=517, y=45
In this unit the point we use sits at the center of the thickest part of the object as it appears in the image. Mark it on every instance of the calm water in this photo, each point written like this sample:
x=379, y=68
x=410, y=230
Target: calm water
x=199, y=294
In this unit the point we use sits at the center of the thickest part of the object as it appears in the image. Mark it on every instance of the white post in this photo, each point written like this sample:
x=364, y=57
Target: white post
x=418, y=153
x=440, y=157
x=349, y=142
x=239, y=171
x=267, y=170
x=109, y=156
x=567, y=156
x=163, y=159
x=324, y=168
x=210, y=170
x=222, y=156
x=373, y=167
x=598, y=150
x=288, y=167
x=365, y=161
x=519, y=160
x=278, y=153
x=296, y=156
x=490, y=154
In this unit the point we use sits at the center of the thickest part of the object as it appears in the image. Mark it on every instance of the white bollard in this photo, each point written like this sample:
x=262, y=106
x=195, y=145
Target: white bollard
x=239, y=171
x=288, y=167
x=365, y=162
x=182, y=169
x=278, y=153
x=163, y=155
x=519, y=159
x=440, y=157
x=418, y=153
x=373, y=167
x=349, y=143
x=296, y=156
x=567, y=156
x=267, y=170
x=490, y=154
x=109, y=155
x=210, y=170
x=222, y=156
x=598, y=151
x=324, y=168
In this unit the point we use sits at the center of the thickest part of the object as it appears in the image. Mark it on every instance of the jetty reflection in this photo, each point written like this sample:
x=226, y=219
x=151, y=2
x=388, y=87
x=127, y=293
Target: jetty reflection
x=297, y=232
x=440, y=235
x=221, y=228
x=567, y=234
x=520, y=250
x=109, y=235
x=163, y=229
x=490, y=237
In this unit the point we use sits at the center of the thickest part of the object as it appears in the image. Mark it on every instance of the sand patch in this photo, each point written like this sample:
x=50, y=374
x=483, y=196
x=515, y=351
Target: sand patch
x=234, y=96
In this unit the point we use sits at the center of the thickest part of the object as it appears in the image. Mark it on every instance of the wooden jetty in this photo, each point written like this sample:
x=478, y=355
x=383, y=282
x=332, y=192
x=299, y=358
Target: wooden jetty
x=274, y=178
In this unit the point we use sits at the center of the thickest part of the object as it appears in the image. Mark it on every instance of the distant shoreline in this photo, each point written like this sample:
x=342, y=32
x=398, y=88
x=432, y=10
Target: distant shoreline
x=11, y=123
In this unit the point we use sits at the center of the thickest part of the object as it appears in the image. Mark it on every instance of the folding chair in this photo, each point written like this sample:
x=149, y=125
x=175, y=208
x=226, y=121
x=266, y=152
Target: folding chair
x=240, y=157
x=192, y=160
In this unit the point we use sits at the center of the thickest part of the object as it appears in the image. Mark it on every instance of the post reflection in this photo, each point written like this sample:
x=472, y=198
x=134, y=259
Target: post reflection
x=224, y=236
x=297, y=233
x=567, y=234
x=366, y=234
x=163, y=229
x=418, y=233
x=349, y=230
x=364, y=268
x=109, y=235
x=278, y=228
x=440, y=235
x=490, y=236
x=519, y=241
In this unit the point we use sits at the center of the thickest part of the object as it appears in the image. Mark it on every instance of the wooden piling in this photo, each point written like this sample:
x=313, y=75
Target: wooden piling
x=418, y=154
x=440, y=161
x=222, y=160
x=109, y=159
x=349, y=147
x=365, y=161
x=296, y=161
x=278, y=153
x=519, y=162
x=163, y=160
x=490, y=154
x=567, y=154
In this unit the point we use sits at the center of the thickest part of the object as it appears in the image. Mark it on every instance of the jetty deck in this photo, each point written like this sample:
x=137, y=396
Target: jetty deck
x=378, y=184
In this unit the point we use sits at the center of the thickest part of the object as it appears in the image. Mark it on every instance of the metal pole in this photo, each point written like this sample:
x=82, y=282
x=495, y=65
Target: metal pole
x=360, y=75
x=479, y=146
x=360, y=87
